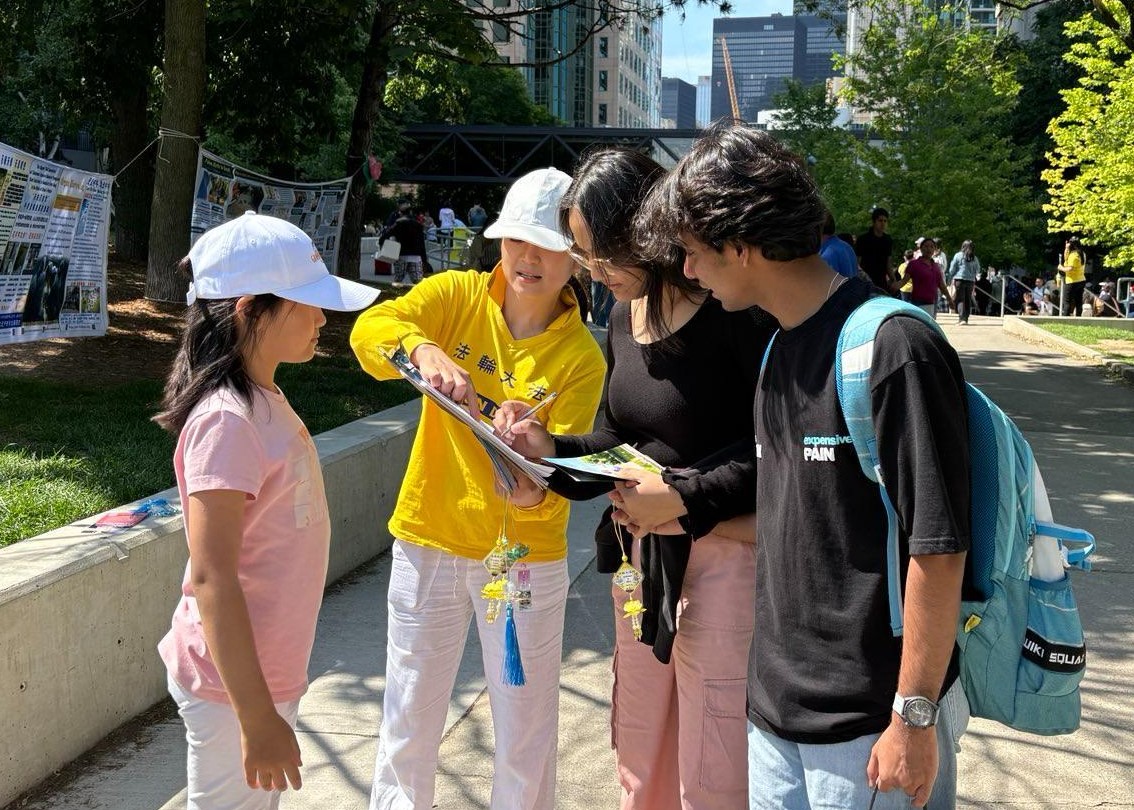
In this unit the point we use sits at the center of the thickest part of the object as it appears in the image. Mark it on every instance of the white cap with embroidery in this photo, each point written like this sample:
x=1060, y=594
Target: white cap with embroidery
x=257, y=253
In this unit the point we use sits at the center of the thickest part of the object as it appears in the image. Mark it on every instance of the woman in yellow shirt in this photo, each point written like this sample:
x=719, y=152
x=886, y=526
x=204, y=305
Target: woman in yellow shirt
x=514, y=333
x=1074, y=277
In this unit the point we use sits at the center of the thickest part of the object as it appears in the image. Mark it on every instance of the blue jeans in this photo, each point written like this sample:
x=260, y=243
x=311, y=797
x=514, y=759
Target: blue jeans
x=784, y=775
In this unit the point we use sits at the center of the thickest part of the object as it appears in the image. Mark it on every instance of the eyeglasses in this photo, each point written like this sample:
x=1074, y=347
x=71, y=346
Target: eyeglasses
x=602, y=266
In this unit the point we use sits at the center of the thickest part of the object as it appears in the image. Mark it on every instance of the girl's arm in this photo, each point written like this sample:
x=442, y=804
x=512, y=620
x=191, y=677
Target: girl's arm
x=213, y=523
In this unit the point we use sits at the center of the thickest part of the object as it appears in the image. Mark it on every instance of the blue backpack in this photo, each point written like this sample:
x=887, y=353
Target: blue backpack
x=1022, y=651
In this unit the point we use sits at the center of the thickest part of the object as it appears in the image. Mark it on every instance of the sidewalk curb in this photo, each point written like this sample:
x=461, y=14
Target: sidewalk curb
x=1018, y=327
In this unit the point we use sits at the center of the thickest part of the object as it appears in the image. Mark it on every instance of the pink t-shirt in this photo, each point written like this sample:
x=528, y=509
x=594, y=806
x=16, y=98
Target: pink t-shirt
x=266, y=452
x=925, y=280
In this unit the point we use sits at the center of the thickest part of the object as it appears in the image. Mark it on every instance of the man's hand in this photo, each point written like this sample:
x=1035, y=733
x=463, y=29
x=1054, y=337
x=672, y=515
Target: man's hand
x=649, y=502
x=440, y=371
x=528, y=438
x=904, y=758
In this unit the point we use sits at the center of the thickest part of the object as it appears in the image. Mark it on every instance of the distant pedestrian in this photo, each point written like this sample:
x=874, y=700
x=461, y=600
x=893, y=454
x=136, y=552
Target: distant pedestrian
x=983, y=291
x=906, y=290
x=409, y=233
x=446, y=217
x=1074, y=273
x=837, y=253
x=926, y=282
x=874, y=249
x=478, y=217
x=964, y=270
x=256, y=517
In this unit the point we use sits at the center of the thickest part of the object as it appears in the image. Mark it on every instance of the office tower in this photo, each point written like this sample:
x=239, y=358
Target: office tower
x=627, y=66
x=678, y=104
x=765, y=53
x=564, y=88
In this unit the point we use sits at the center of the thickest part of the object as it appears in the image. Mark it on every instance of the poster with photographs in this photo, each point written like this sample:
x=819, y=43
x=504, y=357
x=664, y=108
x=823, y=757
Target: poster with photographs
x=225, y=190
x=54, y=225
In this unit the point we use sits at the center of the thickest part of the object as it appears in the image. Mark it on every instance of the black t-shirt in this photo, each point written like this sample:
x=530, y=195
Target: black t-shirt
x=679, y=400
x=824, y=665
x=874, y=253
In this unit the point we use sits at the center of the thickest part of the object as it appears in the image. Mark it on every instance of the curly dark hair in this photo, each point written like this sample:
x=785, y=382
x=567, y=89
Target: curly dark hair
x=737, y=185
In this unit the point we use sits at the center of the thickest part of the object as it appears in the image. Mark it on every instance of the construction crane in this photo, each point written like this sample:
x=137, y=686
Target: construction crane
x=729, y=79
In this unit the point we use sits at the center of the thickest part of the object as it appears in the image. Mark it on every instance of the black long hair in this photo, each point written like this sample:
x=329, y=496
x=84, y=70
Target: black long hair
x=211, y=354
x=1073, y=244
x=608, y=188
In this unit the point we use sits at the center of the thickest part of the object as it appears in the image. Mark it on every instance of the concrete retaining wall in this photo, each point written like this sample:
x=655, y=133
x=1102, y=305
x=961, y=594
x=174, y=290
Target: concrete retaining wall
x=81, y=612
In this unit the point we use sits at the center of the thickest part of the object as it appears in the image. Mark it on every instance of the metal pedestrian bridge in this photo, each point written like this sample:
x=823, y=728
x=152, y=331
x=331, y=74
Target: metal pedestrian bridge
x=499, y=154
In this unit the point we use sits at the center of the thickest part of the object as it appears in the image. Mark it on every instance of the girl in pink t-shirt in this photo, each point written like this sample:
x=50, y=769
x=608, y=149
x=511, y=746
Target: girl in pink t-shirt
x=255, y=511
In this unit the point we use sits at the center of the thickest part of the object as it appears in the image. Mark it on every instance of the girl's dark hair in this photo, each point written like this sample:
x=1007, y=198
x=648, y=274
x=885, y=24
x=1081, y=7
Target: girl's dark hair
x=1075, y=245
x=211, y=354
x=737, y=185
x=967, y=250
x=608, y=189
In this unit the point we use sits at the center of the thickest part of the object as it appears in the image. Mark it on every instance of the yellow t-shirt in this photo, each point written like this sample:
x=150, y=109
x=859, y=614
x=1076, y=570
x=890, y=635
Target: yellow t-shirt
x=447, y=500
x=1073, y=264
x=908, y=286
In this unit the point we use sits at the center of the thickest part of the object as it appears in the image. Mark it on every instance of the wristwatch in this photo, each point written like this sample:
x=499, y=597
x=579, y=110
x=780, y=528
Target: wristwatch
x=916, y=711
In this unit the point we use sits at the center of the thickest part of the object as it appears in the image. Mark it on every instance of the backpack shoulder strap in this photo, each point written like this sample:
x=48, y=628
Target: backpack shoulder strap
x=854, y=357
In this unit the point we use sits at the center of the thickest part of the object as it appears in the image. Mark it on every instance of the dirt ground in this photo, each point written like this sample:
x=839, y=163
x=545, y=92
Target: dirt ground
x=140, y=343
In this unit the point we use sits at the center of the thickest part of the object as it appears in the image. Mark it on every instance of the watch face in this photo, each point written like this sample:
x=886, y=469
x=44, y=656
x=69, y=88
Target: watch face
x=919, y=712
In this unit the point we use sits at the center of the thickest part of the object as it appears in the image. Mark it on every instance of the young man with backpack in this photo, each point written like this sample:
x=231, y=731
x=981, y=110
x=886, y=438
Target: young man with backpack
x=842, y=713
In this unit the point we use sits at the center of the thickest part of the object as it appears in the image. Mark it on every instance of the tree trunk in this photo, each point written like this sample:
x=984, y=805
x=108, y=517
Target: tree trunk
x=374, y=69
x=135, y=186
x=183, y=98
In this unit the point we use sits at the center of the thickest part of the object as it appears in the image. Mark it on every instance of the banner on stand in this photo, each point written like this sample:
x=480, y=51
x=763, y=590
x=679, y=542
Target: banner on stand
x=225, y=190
x=54, y=228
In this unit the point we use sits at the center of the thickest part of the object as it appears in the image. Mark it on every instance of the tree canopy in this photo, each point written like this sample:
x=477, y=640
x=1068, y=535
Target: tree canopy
x=1091, y=179
x=938, y=94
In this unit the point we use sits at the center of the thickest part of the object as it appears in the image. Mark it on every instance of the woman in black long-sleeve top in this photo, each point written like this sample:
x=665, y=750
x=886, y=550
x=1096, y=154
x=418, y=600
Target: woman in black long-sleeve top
x=678, y=719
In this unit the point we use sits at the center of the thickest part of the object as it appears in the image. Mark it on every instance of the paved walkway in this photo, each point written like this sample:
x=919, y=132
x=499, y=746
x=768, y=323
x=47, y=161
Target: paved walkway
x=1080, y=424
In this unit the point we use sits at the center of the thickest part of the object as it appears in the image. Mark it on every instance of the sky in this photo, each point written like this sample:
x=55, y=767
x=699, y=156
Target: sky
x=687, y=48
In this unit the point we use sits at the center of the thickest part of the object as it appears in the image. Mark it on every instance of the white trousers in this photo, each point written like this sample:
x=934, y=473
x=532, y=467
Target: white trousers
x=215, y=761
x=432, y=597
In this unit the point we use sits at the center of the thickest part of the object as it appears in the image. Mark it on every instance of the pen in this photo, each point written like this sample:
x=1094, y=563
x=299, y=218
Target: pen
x=530, y=412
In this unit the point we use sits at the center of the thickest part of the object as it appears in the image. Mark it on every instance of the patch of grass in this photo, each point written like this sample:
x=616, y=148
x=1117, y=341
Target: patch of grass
x=1110, y=340
x=69, y=451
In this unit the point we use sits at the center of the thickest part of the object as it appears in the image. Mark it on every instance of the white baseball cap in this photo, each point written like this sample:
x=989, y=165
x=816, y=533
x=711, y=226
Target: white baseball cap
x=531, y=210
x=257, y=253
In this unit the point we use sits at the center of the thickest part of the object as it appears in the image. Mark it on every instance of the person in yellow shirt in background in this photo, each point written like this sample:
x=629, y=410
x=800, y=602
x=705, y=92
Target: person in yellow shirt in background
x=481, y=339
x=906, y=289
x=1074, y=277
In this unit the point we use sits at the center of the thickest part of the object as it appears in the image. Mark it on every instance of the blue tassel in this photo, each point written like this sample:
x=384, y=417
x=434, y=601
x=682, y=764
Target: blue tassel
x=513, y=672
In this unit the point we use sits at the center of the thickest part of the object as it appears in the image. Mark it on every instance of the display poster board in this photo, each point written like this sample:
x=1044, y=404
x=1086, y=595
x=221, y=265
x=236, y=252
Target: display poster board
x=225, y=190
x=54, y=228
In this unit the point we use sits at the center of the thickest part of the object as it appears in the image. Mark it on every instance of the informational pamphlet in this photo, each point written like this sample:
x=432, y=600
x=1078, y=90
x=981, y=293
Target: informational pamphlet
x=622, y=463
